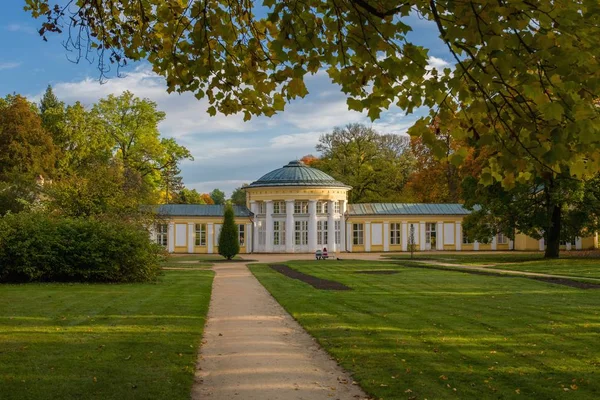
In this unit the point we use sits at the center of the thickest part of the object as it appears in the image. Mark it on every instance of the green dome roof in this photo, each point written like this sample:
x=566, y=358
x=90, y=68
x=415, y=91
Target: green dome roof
x=296, y=173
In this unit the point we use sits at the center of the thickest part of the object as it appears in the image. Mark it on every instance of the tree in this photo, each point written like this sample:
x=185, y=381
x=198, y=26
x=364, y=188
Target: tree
x=25, y=146
x=411, y=240
x=229, y=245
x=309, y=160
x=524, y=80
x=238, y=197
x=376, y=166
x=189, y=196
x=217, y=196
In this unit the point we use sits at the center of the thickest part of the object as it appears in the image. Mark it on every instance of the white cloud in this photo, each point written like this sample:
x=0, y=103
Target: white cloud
x=20, y=28
x=438, y=63
x=9, y=65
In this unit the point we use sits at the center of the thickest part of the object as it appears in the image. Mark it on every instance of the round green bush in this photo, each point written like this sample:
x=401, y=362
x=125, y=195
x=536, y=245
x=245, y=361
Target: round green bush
x=42, y=248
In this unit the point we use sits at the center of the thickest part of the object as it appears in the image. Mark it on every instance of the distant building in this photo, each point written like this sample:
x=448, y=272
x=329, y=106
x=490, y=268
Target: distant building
x=298, y=209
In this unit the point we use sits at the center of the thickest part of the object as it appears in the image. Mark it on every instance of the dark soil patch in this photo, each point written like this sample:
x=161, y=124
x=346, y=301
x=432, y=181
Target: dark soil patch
x=378, y=272
x=315, y=282
x=557, y=281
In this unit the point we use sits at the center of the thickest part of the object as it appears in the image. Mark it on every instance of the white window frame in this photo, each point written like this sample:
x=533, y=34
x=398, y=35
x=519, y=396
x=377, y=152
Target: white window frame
x=242, y=234
x=279, y=207
x=336, y=207
x=262, y=207
x=301, y=207
x=162, y=234
x=338, y=235
x=395, y=233
x=279, y=233
x=322, y=233
x=501, y=238
x=262, y=233
x=322, y=207
x=358, y=234
x=301, y=233
x=200, y=235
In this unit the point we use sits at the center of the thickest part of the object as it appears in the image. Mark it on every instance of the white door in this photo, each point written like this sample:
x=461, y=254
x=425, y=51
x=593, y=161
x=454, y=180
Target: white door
x=301, y=236
x=430, y=236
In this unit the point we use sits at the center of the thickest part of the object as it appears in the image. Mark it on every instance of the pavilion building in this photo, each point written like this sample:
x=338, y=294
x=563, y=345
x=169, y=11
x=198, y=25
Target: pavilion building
x=299, y=209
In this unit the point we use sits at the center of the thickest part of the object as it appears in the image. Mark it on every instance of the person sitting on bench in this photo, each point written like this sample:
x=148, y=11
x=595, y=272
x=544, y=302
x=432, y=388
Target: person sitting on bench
x=324, y=253
x=318, y=255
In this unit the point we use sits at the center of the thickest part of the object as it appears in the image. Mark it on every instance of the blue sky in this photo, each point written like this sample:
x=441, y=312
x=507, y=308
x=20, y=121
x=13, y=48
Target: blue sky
x=227, y=150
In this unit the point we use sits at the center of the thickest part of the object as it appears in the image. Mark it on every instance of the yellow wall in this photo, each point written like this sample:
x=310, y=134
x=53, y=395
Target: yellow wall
x=209, y=220
x=292, y=193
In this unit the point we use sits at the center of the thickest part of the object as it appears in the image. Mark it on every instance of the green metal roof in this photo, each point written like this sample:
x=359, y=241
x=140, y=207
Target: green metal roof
x=296, y=173
x=406, y=209
x=199, y=210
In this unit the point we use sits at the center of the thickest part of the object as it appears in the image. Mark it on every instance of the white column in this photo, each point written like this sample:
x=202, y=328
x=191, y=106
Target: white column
x=249, y=238
x=152, y=232
x=343, y=237
x=289, y=226
x=254, y=209
x=331, y=247
x=495, y=242
x=404, y=236
x=386, y=236
x=349, y=236
x=209, y=238
x=171, y=239
x=269, y=226
x=569, y=245
x=511, y=244
x=475, y=245
x=191, y=237
x=578, y=244
x=542, y=244
x=367, y=236
x=439, y=237
x=458, y=237
x=312, y=226
x=422, y=236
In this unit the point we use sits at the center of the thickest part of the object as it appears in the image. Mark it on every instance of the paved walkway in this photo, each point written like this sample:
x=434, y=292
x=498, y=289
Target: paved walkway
x=254, y=350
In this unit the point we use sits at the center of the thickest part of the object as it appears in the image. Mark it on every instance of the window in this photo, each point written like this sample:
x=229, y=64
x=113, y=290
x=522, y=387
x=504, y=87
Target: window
x=336, y=207
x=200, y=234
x=394, y=233
x=322, y=233
x=338, y=237
x=262, y=207
x=322, y=207
x=262, y=233
x=564, y=242
x=241, y=234
x=278, y=233
x=430, y=233
x=501, y=239
x=301, y=207
x=301, y=233
x=279, y=207
x=217, y=233
x=162, y=234
x=357, y=234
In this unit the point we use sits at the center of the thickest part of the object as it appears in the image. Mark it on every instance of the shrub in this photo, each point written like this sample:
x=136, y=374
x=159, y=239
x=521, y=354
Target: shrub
x=38, y=247
x=229, y=244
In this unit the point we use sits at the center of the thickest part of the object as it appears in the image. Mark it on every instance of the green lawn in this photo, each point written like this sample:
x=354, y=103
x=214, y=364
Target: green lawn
x=80, y=341
x=471, y=258
x=433, y=334
x=585, y=268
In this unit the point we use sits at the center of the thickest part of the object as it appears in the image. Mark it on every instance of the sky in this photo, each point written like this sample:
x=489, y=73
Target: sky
x=227, y=151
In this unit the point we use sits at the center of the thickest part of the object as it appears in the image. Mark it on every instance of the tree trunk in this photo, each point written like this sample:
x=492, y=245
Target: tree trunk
x=553, y=234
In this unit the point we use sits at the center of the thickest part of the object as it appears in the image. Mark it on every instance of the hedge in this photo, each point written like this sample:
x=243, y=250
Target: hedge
x=36, y=247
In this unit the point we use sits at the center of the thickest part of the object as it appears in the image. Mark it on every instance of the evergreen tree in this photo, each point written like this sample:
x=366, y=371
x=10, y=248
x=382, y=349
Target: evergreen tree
x=229, y=244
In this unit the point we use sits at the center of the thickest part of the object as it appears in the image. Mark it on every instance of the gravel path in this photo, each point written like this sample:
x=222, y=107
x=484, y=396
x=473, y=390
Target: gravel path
x=254, y=350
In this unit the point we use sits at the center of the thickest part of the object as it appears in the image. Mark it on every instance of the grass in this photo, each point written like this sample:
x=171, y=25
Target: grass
x=80, y=341
x=584, y=268
x=471, y=258
x=433, y=334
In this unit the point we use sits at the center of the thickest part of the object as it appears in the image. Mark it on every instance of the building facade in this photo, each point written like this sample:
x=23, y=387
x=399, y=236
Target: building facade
x=298, y=209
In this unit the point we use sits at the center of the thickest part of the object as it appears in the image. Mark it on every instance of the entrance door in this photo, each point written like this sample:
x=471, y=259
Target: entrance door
x=301, y=236
x=430, y=236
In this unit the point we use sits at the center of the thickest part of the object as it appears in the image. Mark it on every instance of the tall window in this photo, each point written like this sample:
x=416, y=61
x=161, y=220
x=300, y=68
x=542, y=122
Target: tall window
x=502, y=239
x=358, y=234
x=241, y=234
x=430, y=233
x=262, y=233
x=279, y=207
x=301, y=233
x=322, y=207
x=262, y=207
x=336, y=207
x=394, y=233
x=301, y=207
x=162, y=234
x=322, y=233
x=200, y=234
x=338, y=237
x=278, y=233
